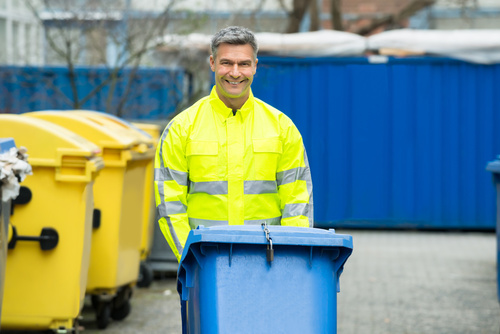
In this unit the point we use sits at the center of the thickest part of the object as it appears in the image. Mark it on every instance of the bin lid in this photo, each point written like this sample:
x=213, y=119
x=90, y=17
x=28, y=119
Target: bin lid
x=493, y=166
x=6, y=144
x=154, y=130
x=117, y=124
x=281, y=235
x=91, y=130
x=49, y=144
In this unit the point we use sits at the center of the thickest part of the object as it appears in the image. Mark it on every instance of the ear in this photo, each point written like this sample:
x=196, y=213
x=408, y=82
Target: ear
x=212, y=63
x=255, y=67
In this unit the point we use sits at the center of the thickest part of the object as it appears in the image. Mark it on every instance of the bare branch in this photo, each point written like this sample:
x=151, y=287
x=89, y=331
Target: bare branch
x=413, y=7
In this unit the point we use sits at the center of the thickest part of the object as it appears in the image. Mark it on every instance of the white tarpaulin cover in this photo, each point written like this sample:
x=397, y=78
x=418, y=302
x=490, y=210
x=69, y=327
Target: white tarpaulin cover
x=306, y=44
x=477, y=46
x=312, y=44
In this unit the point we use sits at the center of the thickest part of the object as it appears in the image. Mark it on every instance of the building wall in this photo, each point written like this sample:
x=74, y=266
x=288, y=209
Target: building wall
x=448, y=15
x=20, y=34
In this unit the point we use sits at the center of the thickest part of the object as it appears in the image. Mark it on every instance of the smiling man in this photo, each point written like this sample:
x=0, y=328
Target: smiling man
x=231, y=158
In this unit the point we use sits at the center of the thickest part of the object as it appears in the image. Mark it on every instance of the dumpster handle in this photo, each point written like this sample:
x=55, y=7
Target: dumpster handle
x=49, y=238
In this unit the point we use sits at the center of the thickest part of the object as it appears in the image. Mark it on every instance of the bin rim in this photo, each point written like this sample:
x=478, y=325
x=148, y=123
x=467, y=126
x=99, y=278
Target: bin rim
x=281, y=235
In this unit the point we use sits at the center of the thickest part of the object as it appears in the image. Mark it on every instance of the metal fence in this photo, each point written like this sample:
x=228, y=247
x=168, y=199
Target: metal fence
x=142, y=94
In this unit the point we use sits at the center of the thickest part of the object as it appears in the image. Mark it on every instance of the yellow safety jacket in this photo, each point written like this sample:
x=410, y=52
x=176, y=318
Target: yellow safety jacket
x=216, y=168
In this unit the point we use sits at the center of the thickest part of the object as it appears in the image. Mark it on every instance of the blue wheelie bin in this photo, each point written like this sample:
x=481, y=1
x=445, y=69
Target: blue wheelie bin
x=494, y=168
x=259, y=279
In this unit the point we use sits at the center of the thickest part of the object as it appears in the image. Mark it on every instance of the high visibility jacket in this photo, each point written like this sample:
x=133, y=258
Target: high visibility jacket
x=216, y=168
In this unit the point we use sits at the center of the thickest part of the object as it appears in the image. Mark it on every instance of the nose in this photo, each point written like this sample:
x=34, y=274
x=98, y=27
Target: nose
x=235, y=71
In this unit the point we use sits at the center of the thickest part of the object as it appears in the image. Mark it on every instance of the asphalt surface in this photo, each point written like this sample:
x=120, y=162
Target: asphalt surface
x=401, y=282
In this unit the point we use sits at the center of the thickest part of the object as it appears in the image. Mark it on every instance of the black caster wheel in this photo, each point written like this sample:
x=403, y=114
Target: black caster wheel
x=103, y=314
x=121, y=312
x=146, y=276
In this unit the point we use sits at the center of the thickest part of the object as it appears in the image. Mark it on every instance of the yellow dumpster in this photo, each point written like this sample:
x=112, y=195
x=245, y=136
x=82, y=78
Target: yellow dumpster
x=118, y=192
x=146, y=272
x=149, y=135
x=49, y=250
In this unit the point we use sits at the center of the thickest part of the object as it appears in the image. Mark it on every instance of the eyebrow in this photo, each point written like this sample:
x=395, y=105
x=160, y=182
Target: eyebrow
x=240, y=62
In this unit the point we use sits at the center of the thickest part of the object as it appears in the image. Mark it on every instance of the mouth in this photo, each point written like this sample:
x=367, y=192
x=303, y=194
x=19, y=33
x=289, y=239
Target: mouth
x=235, y=83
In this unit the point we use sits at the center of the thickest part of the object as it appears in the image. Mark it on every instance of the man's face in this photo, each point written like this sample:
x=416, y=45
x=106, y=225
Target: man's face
x=234, y=69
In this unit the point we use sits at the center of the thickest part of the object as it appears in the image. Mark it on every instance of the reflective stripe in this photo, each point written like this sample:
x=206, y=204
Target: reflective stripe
x=175, y=239
x=195, y=222
x=296, y=209
x=270, y=221
x=260, y=187
x=171, y=208
x=220, y=187
x=167, y=174
x=164, y=208
x=165, y=132
x=292, y=175
x=211, y=188
x=310, y=210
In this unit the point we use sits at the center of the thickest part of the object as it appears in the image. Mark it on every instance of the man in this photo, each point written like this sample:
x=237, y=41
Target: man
x=231, y=158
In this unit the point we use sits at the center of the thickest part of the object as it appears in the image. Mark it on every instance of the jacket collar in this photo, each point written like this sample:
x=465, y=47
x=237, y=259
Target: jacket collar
x=224, y=112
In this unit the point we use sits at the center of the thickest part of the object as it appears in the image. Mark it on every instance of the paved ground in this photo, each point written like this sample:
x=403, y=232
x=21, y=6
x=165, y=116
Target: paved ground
x=395, y=282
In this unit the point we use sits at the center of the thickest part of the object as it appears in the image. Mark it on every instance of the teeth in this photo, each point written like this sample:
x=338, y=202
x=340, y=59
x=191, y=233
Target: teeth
x=233, y=83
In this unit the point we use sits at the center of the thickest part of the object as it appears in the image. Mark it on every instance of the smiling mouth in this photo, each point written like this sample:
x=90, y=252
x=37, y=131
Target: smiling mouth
x=235, y=82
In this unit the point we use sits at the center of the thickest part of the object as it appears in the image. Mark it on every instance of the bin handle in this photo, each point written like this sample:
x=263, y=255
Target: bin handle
x=48, y=239
x=24, y=197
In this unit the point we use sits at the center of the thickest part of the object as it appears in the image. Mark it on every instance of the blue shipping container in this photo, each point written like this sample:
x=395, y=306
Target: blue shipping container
x=154, y=93
x=399, y=144
x=231, y=287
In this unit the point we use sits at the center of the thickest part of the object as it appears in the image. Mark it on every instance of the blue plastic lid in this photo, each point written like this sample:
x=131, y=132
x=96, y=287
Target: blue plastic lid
x=281, y=235
x=6, y=144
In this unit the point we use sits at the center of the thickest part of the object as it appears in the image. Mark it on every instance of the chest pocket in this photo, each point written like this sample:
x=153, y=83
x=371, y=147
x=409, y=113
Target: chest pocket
x=266, y=152
x=202, y=157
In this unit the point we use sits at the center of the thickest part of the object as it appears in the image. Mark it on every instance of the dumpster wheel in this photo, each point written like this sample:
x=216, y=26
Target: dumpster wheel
x=121, y=303
x=146, y=275
x=103, y=313
x=121, y=312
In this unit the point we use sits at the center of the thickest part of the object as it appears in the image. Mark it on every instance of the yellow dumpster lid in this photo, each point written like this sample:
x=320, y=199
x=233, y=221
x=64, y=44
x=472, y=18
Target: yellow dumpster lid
x=117, y=124
x=49, y=144
x=97, y=133
x=147, y=145
x=154, y=130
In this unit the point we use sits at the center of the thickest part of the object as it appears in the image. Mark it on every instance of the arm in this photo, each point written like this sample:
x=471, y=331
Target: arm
x=294, y=180
x=171, y=183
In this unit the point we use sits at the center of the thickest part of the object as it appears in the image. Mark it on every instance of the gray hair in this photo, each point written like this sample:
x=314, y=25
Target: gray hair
x=234, y=35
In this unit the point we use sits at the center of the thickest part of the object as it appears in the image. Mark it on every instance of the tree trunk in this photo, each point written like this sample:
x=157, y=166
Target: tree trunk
x=298, y=11
x=314, y=14
x=336, y=13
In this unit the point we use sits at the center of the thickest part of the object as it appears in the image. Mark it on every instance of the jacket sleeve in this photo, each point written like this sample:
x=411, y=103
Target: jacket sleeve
x=171, y=184
x=294, y=180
